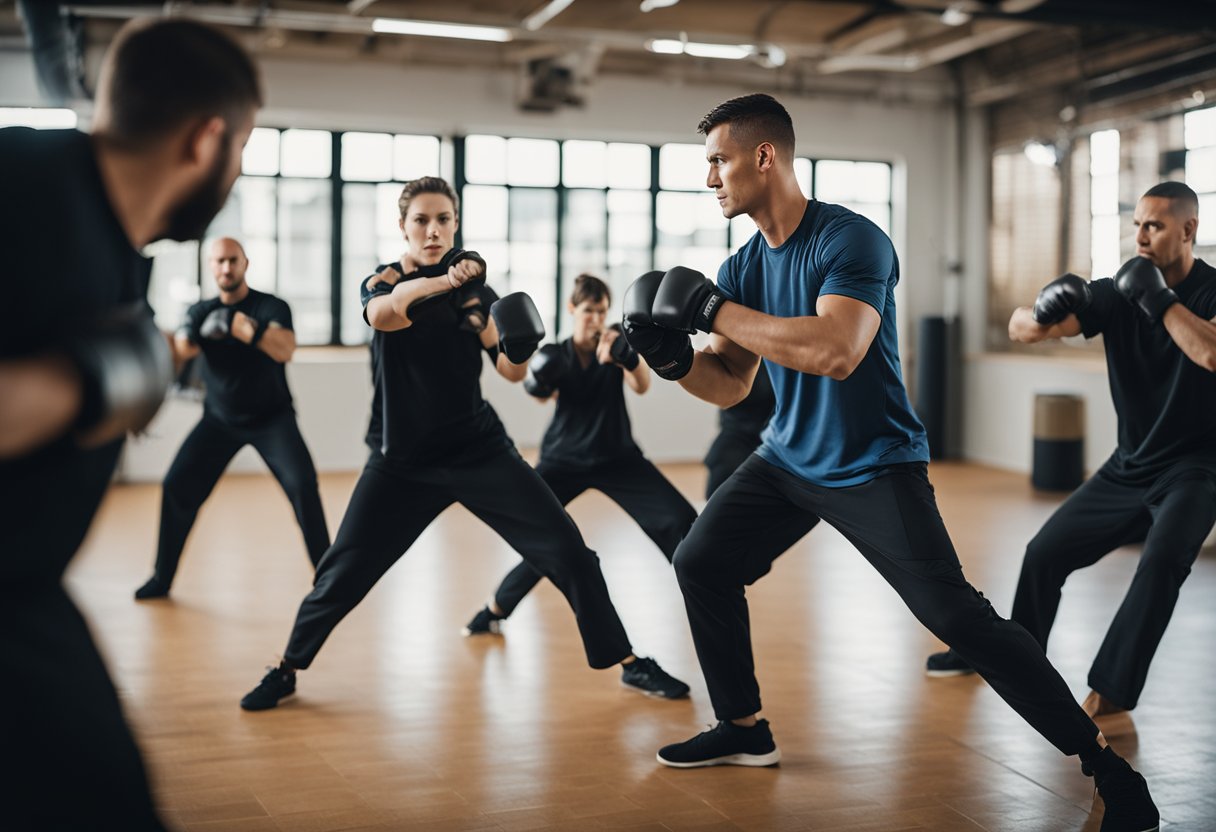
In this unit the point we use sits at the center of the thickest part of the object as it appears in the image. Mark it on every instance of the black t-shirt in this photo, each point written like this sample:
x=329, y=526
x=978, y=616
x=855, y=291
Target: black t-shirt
x=749, y=416
x=65, y=256
x=591, y=425
x=245, y=386
x=1166, y=403
x=427, y=407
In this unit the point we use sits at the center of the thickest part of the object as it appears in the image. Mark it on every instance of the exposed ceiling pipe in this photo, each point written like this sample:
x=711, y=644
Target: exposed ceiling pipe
x=917, y=60
x=544, y=14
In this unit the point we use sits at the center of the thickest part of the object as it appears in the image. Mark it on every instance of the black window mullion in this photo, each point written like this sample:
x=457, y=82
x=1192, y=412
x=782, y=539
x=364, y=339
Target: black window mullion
x=654, y=203
x=335, y=234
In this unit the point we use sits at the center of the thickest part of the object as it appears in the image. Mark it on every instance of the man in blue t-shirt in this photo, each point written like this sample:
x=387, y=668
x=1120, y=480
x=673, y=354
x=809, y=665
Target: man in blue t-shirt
x=1159, y=485
x=812, y=294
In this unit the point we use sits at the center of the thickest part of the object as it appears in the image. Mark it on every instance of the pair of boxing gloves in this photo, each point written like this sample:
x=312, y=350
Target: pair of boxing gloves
x=1137, y=280
x=550, y=365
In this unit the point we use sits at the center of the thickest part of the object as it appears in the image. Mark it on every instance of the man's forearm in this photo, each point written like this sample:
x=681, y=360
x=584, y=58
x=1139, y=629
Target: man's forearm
x=808, y=344
x=40, y=398
x=1195, y=336
x=711, y=380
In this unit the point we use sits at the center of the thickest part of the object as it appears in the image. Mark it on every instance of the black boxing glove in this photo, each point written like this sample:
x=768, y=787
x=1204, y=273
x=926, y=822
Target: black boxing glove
x=125, y=366
x=1143, y=284
x=667, y=352
x=217, y=325
x=545, y=371
x=520, y=328
x=621, y=352
x=1064, y=296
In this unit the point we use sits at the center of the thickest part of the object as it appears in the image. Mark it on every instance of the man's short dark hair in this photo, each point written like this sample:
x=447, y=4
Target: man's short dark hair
x=1177, y=192
x=161, y=74
x=753, y=119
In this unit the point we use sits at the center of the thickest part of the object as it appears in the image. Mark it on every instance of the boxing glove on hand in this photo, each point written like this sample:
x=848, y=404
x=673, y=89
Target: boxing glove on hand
x=668, y=353
x=686, y=301
x=126, y=367
x=1142, y=284
x=520, y=328
x=621, y=352
x=545, y=371
x=217, y=325
x=1060, y=298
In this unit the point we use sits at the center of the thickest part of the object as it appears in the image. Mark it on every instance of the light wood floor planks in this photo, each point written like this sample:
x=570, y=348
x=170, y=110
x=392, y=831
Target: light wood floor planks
x=404, y=725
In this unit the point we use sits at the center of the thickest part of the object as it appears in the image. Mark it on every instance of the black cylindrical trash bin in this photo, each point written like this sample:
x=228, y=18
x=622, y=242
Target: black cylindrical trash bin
x=931, y=370
x=1059, y=442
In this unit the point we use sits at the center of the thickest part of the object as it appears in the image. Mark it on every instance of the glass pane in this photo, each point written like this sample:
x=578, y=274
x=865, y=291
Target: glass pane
x=802, y=172
x=872, y=182
x=447, y=160
x=585, y=232
x=1201, y=170
x=533, y=215
x=1104, y=246
x=415, y=156
x=1206, y=236
x=583, y=164
x=1104, y=194
x=1200, y=128
x=41, y=118
x=483, y=213
x=261, y=156
x=534, y=270
x=485, y=159
x=683, y=167
x=304, y=250
x=248, y=213
x=370, y=236
x=1104, y=152
x=532, y=162
x=307, y=153
x=629, y=223
x=367, y=156
x=834, y=180
x=692, y=232
x=174, y=284
x=629, y=165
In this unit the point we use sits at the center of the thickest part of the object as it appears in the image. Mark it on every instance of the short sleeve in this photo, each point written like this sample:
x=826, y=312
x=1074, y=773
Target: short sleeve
x=365, y=294
x=1096, y=317
x=280, y=313
x=728, y=283
x=857, y=261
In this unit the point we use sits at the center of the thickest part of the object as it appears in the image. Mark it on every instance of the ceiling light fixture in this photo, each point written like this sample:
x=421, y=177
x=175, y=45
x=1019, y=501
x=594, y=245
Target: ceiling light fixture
x=723, y=51
x=956, y=14
x=1039, y=153
x=431, y=29
x=651, y=5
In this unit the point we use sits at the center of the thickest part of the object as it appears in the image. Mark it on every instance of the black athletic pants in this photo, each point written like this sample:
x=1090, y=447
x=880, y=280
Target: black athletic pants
x=636, y=486
x=728, y=451
x=73, y=765
x=1172, y=517
x=393, y=504
x=893, y=521
x=202, y=459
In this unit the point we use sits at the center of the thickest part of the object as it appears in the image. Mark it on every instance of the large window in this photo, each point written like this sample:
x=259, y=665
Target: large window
x=317, y=212
x=1200, y=139
x=1105, y=224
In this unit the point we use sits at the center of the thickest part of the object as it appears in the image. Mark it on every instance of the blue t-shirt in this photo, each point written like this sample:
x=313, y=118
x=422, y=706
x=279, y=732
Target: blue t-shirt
x=831, y=433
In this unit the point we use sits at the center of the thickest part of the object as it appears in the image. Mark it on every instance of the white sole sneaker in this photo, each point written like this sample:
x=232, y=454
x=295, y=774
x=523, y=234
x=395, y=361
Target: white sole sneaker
x=945, y=674
x=770, y=759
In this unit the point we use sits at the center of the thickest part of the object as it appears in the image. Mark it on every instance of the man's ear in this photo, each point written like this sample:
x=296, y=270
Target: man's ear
x=204, y=142
x=1189, y=228
x=765, y=156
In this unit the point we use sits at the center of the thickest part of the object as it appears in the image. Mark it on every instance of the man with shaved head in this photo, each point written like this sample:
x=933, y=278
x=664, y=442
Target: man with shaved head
x=1157, y=316
x=245, y=337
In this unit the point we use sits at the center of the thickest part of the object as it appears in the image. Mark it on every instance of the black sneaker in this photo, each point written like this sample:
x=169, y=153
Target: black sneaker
x=483, y=624
x=1129, y=807
x=726, y=744
x=947, y=663
x=646, y=675
x=154, y=588
x=278, y=683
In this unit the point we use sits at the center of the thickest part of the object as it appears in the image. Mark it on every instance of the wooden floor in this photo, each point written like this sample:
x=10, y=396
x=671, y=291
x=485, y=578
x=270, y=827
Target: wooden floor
x=403, y=724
